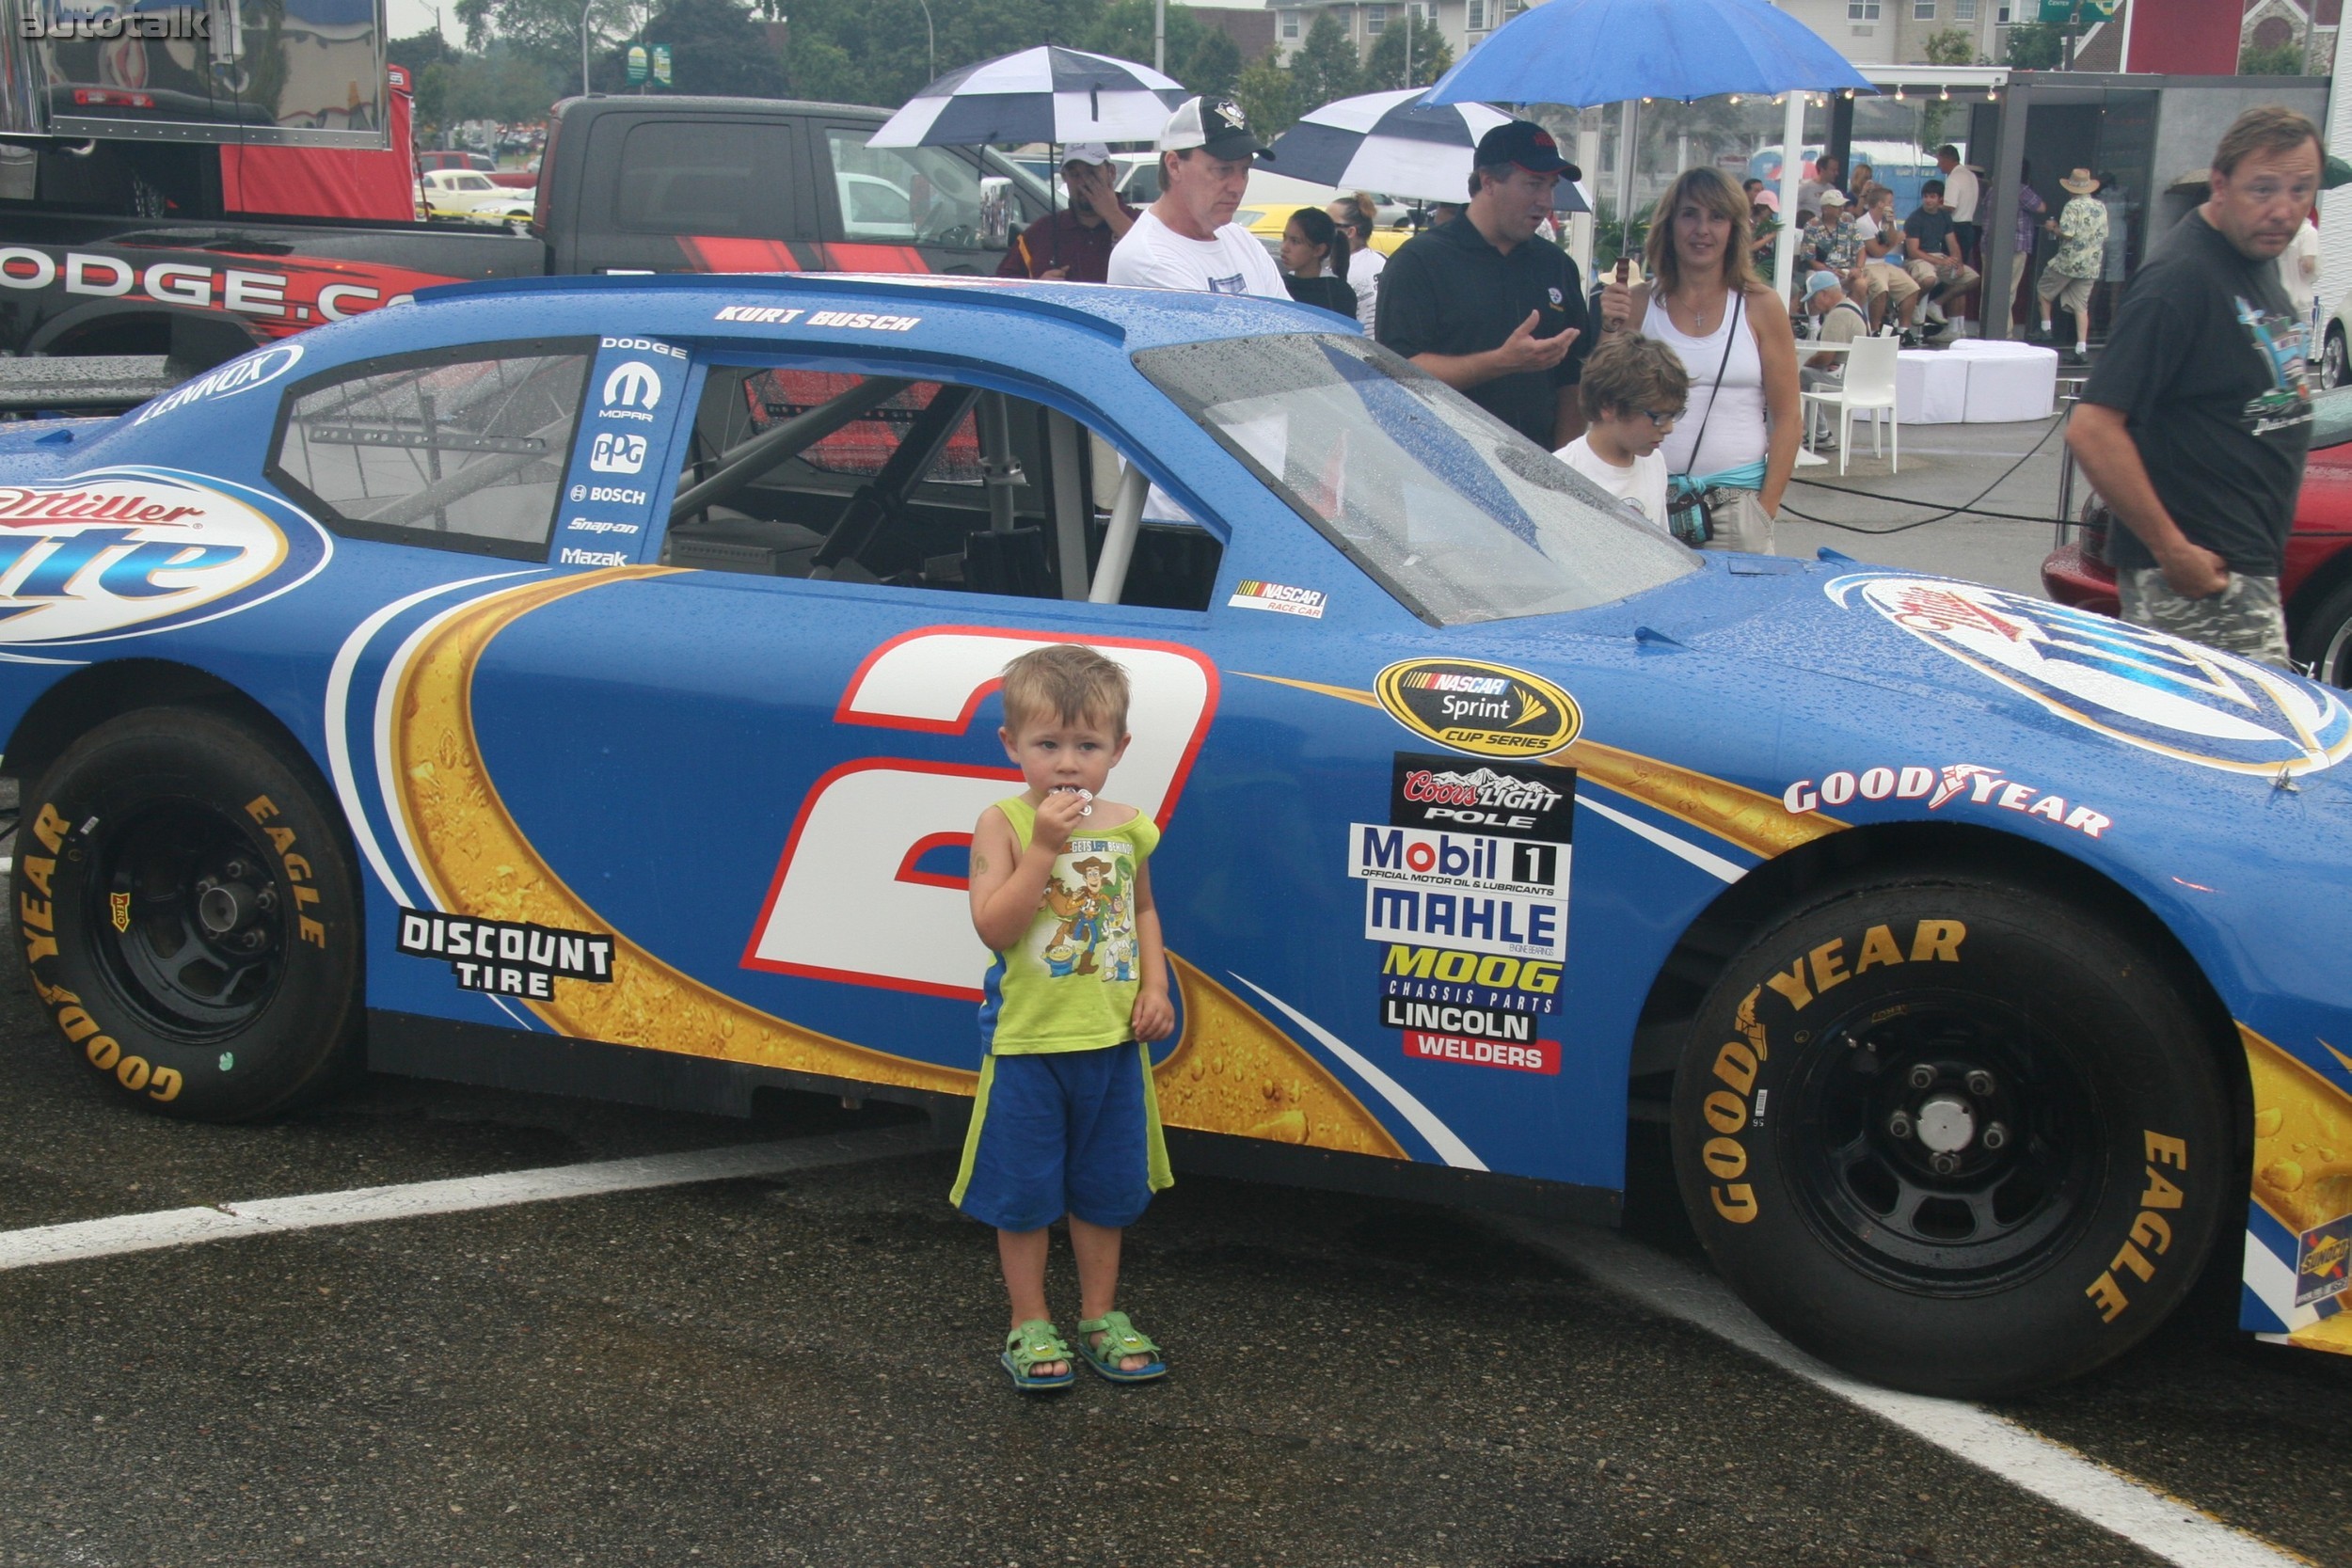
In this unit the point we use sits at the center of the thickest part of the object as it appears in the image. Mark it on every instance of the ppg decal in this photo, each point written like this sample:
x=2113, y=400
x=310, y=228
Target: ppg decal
x=130, y=551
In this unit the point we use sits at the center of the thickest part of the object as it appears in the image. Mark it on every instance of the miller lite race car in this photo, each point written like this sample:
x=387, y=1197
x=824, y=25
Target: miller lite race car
x=590, y=685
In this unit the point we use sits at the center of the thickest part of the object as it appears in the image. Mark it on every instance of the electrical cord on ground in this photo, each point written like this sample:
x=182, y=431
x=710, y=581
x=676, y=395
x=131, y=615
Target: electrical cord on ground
x=1967, y=507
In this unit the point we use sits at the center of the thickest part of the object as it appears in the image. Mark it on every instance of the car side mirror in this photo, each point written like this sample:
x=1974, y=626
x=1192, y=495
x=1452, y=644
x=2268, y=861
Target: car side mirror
x=996, y=209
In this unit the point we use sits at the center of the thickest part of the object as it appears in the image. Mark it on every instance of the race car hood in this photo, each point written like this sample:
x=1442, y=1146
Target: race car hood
x=35, y=449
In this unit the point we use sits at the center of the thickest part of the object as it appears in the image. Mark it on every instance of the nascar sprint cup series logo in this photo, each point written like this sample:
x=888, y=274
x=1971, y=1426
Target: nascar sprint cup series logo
x=2141, y=686
x=125, y=552
x=1471, y=706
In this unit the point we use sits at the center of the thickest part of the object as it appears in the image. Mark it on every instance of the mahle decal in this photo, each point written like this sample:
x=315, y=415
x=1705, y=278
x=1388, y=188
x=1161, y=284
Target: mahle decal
x=1471, y=706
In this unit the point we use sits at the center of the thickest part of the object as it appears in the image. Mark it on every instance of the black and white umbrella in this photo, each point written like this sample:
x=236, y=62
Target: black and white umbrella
x=1392, y=143
x=1048, y=94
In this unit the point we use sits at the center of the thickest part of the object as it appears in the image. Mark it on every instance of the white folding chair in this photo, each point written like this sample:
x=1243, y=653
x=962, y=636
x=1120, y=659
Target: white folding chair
x=1869, y=388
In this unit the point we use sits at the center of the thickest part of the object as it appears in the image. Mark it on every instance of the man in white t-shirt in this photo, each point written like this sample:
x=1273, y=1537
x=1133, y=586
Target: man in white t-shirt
x=1960, y=197
x=1188, y=239
x=1633, y=389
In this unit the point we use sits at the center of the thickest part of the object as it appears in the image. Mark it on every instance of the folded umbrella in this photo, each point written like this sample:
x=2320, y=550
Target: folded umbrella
x=1048, y=94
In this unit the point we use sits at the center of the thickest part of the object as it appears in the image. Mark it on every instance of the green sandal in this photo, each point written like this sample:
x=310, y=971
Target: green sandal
x=1032, y=1345
x=1121, y=1339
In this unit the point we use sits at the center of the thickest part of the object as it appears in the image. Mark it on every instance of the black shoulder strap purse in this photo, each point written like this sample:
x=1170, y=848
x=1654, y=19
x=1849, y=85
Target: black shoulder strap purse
x=1686, y=515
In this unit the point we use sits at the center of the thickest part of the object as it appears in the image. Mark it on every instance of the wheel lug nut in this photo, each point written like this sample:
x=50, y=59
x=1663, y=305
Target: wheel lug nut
x=233, y=870
x=1900, y=1125
x=1944, y=1165
x=1993, y=1137
x=1922, y=1076
x=1980, y=1084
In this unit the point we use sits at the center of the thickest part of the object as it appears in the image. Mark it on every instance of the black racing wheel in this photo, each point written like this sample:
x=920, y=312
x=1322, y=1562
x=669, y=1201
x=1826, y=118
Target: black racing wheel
x=189, y=915
x=1955, y=1136
x=2323, y=637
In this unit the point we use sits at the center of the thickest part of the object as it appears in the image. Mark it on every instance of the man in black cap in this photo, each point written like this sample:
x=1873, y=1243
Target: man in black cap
x=1484, y=305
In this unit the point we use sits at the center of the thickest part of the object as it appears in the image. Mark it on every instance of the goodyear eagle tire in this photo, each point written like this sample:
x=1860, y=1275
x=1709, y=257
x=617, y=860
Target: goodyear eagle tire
x=189, y=917
x=1955, y=1137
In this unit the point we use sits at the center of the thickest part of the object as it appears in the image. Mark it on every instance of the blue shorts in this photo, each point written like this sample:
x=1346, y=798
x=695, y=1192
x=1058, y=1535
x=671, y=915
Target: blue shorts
x=1061, y=1133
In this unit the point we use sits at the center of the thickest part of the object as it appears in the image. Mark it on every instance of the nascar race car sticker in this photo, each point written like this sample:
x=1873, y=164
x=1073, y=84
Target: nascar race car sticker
x=1281, y=598
x=2140, y=686
x=1471, y=706
x=128, y=552
x=1230, y=1071
x=1940, y=787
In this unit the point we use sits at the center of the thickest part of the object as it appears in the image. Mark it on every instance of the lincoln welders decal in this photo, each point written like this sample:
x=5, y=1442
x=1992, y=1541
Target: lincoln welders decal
x=131, y=551
x=506, y=956
x=1471, y=705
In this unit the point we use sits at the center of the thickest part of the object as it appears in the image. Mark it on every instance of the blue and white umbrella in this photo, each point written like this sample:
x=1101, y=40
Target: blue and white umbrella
x=1393, y=143
x=1048, y=94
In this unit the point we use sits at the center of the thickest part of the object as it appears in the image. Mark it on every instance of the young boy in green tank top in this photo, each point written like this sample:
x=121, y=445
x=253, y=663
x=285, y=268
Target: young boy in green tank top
x=1066, y=1122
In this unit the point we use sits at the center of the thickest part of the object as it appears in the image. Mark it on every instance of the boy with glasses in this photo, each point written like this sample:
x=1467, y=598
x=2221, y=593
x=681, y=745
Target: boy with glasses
x=1633, y=391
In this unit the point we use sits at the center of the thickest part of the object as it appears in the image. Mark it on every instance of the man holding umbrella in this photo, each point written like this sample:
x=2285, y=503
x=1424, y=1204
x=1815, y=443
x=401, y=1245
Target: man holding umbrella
x=1074, y=243
x=1488, y=308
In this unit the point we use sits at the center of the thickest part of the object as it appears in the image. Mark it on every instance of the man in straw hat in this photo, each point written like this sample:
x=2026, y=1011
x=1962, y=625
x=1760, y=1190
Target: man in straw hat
x=2081, y=227
x=2195, y=425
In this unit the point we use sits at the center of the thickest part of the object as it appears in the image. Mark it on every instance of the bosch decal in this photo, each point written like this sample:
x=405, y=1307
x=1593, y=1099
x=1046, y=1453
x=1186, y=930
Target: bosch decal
x=1427, y=791
x=507, y=958
x=2140, y=686
x=1939, y=787
x=131, y=551
x=1471, y=705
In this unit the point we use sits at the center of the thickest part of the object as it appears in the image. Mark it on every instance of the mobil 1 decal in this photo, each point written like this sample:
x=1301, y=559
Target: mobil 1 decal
x=1466, y=895
x=633, y=396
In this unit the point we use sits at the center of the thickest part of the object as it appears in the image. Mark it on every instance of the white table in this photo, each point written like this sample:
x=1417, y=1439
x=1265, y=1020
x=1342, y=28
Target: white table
x=1931, y=386
x=2008, y=381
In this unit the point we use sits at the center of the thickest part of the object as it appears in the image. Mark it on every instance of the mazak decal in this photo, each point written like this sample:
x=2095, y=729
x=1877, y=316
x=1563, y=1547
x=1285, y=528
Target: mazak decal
x=1471, y=706
x=1433, y=791
x=1941, y=787
x=241, y=374
x=2140, y=686
x=507, y=958
x=131, y=551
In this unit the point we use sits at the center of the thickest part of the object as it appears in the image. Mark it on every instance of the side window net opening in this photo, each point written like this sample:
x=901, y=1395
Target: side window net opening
x=461, y=454
x=831, y=475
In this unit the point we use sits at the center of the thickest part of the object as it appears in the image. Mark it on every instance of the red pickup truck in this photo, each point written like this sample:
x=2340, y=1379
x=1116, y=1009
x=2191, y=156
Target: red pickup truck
x=2317, y=580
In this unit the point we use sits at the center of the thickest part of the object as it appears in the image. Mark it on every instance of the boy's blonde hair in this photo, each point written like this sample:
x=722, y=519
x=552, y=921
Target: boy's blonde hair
x=1068, y=683
x=1630, y=374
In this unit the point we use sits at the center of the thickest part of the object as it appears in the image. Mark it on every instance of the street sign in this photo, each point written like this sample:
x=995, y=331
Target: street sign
x=662, y=64
x=636, y=63
x=2057, y=13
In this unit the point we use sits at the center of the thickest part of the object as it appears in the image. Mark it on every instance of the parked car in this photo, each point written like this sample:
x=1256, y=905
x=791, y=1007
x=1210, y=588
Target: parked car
x=430, y=159
x=2316, y=583
x=628, y=185
x=590, y=685
x=469, y=197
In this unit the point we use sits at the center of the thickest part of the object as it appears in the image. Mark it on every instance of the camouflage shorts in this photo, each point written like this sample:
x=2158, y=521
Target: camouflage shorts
x=2243, y=618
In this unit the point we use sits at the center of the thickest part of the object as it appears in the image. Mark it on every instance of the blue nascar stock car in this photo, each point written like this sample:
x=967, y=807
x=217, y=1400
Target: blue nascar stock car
x=589, y=685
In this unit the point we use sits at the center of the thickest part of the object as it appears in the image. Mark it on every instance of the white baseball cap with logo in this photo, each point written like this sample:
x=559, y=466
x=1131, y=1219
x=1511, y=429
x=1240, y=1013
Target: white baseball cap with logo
x=1214, y=125
x=1085, y=153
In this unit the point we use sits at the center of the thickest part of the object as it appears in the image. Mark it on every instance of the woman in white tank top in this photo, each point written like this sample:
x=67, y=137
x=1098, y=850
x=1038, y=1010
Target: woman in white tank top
x=1739, y=439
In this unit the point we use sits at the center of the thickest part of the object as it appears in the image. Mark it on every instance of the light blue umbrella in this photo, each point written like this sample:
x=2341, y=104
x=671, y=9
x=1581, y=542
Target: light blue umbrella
x=1582, y=53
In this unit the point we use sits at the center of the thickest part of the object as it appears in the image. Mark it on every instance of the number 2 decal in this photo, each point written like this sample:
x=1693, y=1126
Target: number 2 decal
x=849, y=902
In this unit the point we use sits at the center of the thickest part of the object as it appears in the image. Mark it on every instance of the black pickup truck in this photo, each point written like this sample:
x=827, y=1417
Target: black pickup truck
x=121, y=247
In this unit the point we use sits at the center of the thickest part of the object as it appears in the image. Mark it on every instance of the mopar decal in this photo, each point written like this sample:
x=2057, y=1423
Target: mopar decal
x=131, y=551
x=1471, y=705
x=2139, y=687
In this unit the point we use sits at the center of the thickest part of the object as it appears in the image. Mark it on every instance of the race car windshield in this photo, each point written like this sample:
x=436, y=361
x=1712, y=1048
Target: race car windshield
x=1457, y=514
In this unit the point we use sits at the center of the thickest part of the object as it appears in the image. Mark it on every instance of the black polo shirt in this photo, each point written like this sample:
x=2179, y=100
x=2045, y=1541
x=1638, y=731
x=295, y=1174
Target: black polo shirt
x=1449, y=291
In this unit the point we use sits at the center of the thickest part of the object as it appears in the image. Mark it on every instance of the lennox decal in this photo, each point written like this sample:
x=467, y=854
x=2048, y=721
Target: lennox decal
x=2143, y=688
x=131, y=551
x=241, y=374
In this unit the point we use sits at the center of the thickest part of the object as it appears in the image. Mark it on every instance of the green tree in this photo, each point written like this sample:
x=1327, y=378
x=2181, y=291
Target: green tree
x=1432, y=57
x=1264, y=92
x=420, y=50
x=874, y=51
x=2035, y=46
x=1214, y=67
x=1326, y=67
x=503, y=83
x=715, y=48
x=2283, y=60
x=1123, y=30
x=1949, y=47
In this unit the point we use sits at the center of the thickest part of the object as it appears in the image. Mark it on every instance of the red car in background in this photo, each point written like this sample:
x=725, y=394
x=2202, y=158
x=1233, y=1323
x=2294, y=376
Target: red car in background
x=2317, y=581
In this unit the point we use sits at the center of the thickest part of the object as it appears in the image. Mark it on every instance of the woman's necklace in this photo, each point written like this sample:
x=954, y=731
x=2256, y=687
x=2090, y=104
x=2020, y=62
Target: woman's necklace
x=1698, y=314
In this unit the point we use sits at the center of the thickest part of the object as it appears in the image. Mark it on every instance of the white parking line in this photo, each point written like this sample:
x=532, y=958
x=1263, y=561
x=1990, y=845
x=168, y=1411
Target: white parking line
x=2177, y=1531
x=270, y=1216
